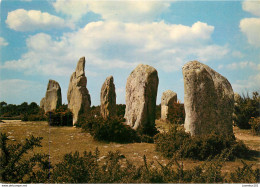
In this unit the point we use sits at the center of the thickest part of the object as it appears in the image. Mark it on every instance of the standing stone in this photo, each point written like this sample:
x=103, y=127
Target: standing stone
x=52, y=99
x=167, y=101
x=208, y=100
x=237, y=99
x=108, y=98
x=141, y=93
x=42, y=103
x=78, y=96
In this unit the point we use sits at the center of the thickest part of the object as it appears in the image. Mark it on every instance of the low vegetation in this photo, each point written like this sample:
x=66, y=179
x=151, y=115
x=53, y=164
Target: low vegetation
x=112, y=130
x=177, y=143
x=113, y=168
x=10, y=111
x=15, y=169
x=255, y=125
x=60, y=117
x=245, y=109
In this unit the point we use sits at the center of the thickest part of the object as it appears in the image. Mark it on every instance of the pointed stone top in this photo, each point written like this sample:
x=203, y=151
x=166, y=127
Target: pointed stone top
x=80, y=70
x=110, y=79
x=53, y=84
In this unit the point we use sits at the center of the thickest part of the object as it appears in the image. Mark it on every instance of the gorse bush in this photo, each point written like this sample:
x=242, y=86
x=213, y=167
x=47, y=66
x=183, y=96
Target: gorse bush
x=245, y=174
x=17, y=170
x=245, y=109
x=168, y=143
x=120, y=110
x=178, y=143
x=111, y=129
x=115, y=168
x=76, y=169
x=177, y=113
x=60, y=117
x=112, y=168
x=255, y=125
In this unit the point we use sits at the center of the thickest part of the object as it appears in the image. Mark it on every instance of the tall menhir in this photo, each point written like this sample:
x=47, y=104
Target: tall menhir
x=78, y=96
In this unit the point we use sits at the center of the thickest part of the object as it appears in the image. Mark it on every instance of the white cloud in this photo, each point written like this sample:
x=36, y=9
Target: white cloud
x=3, y=42
x=23, y=20
x=112, y=10
x=13, y=90
x=251, y=28
x=252, y=6
x=109, y=45
x=237, y=54
x=241, y=65
x=252, y=84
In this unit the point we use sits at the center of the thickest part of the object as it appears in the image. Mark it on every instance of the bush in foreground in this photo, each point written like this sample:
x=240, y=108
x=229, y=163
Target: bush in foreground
x=113, y=168
x=181, y=144
x=17, y=170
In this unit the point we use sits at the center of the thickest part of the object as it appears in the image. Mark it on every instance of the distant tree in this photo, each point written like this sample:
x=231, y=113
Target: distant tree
x=3, y=104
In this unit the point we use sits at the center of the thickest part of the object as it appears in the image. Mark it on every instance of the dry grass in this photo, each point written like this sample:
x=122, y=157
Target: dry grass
x=58, y=141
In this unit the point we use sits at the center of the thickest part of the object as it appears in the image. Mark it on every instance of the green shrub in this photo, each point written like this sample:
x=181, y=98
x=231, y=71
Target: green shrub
x=245, y=174
x=115, y=168
x=179, y=143
x=60, y=117
x=177, y=113
x=255, y=125
x=112, y=168
x=120, y=110
x=40, y=116
x=245, y=108
x=76, y=169
x=168, y=143
x=111, y=129
x=208, y=172
x=17, y=170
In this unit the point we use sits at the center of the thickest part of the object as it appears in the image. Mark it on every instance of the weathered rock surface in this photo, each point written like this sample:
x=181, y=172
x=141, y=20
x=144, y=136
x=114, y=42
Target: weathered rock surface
x=237, y=99
x=141, y=93
x=78, y=96
x=208, y=100
x=52, y=99
x=42, y=103
x=167, y=101
x=108, y=98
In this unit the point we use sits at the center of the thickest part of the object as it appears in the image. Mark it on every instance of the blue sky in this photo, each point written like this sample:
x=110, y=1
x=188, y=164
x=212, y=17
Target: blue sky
x=42, y=40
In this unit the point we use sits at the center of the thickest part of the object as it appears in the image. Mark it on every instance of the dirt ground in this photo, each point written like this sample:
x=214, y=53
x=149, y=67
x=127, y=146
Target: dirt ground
x=58, y=141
